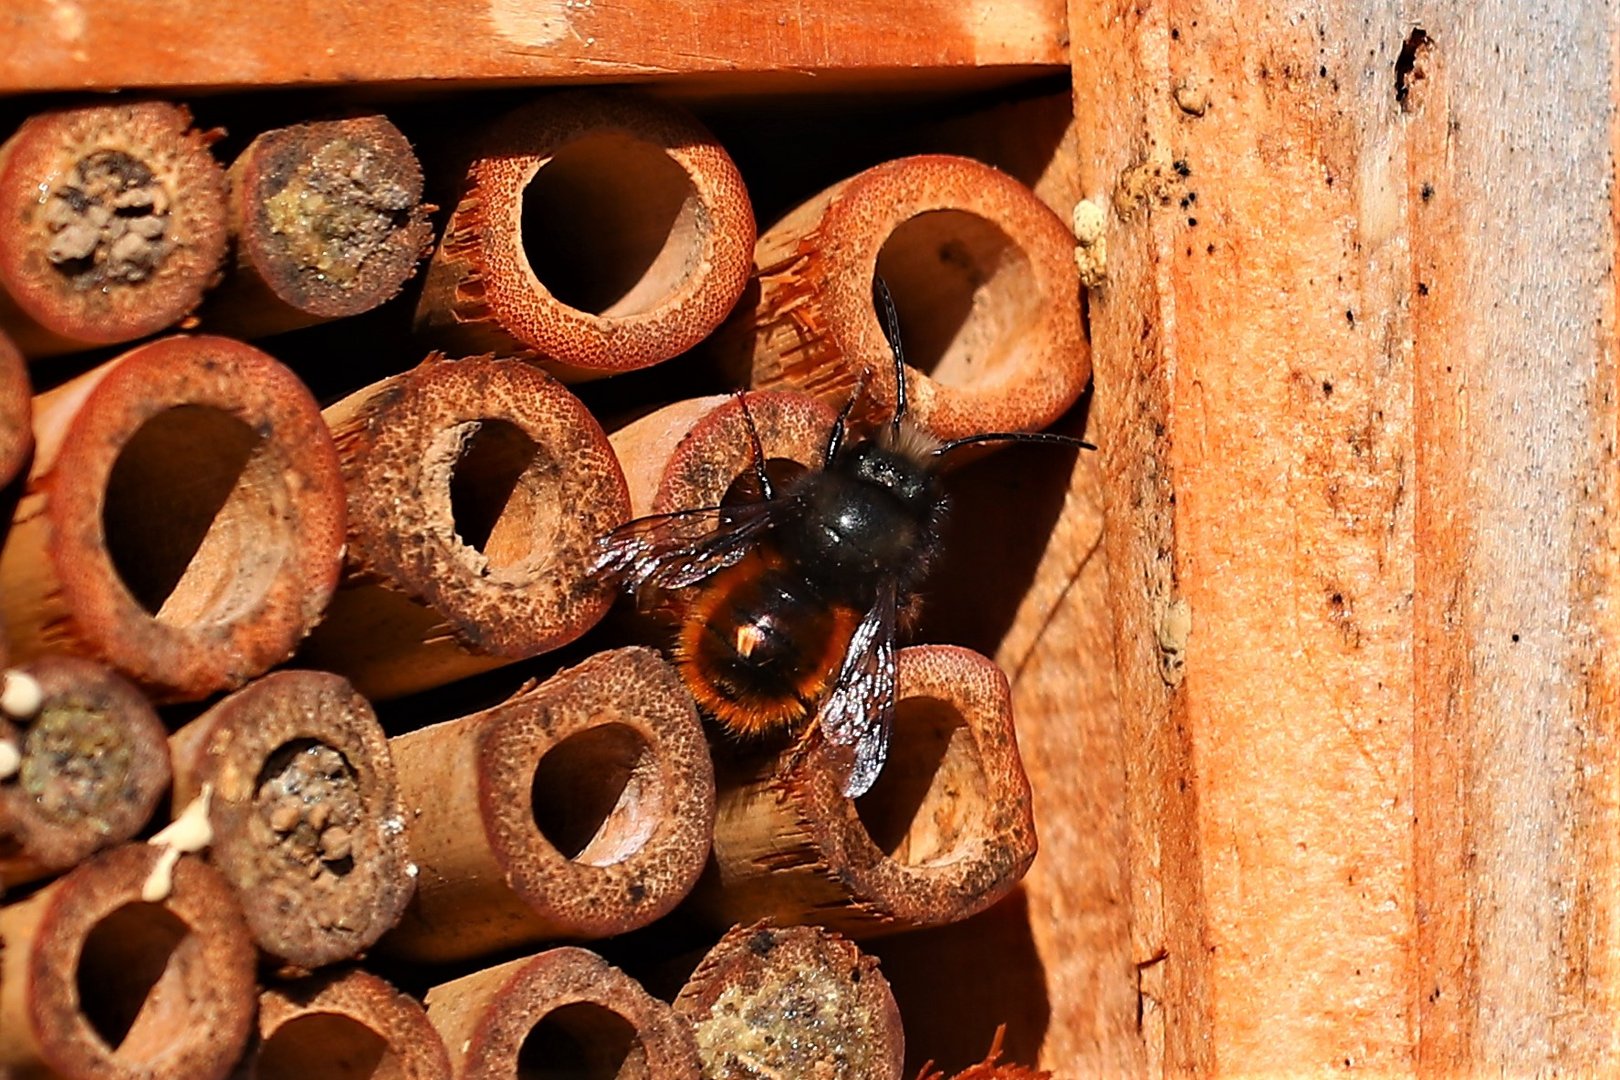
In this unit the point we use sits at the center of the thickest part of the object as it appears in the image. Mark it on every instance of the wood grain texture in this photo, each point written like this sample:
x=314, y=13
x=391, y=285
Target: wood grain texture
x=1356, y=394
x=131, y=43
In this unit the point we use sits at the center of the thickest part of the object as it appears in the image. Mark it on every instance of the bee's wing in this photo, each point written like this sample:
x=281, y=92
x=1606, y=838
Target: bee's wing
x=672, y=551
x=856, y=717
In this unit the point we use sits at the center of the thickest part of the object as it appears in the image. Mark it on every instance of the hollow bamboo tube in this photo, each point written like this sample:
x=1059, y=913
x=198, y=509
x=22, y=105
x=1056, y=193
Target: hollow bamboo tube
x=565, y=1012
x=945, y=832
x=98, y=984
x=307, y=820
x=112, y=223
x=983, y=278
x=689, y=454
x=183, y=519
x=602, y=231
x=580, y=808
x=477, y=491
x=94, y=763
x=343, y=1026
x=792, y=1001
x=16, y=412
x=328, y=221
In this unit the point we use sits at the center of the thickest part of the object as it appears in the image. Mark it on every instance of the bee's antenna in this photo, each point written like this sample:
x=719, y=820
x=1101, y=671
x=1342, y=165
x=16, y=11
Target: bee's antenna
x=891, y=330
x=1014, y=436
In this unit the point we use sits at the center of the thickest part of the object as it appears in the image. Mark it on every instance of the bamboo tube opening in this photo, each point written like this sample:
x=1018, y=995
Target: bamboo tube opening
x=327, y=1046
x=611, y=225
x=505, y=495
x=135, y=959
x=914, y=813
x=193, y=478
x=581, y=1041
x=966, y=295
x=308, y=807
x=597, y=796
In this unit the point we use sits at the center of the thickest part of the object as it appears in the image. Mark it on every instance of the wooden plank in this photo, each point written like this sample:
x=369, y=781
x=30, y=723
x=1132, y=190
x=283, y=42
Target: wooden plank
x=106, y=44
x=1357, y=400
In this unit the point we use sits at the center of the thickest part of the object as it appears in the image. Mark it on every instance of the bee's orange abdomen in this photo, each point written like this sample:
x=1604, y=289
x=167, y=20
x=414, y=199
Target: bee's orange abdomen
x=758, y=645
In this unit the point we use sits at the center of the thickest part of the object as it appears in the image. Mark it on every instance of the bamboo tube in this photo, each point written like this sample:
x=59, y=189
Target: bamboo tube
x=16, y=411
x=692, y=453
x=307, y=820
x=603, y=231
x=580, y=808
x=794, y=1001
x=945, y=832
x=983, y=278
x=565, y=1012
x=93, y=763
x=183, y=519
x=98, y=984
x=112, y=223
x=328, y=221
x=477, y=491
x=340, y=1026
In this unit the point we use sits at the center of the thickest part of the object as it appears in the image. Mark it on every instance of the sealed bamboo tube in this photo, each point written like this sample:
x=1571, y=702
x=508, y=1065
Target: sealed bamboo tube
x=690, y=454
x=945, y=832
x=565, y=1012
x=183, y=519
x=581, y=808
x=98, y=984
x=328, y=221
x=342, y=1026
x=307, y=821
x=983, y=278
x=477, y=491
x=112, y=223
x=92, y=763
x=16, y=410
x=602, y=231
x=793, y=1001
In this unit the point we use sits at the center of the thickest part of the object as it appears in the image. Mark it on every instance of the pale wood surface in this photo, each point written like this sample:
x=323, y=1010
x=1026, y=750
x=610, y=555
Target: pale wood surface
x=1357, y=404
x=68, y=44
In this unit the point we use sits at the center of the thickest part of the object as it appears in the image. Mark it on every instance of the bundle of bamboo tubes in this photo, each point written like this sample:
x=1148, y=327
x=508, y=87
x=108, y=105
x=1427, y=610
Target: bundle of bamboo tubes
x=319, y=749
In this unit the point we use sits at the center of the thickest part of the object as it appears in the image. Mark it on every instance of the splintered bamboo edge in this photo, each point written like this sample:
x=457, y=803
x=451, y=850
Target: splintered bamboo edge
x=309, y=1026
x=983, y=278
x=945, y=832
x=561, y=198
x=565, y=999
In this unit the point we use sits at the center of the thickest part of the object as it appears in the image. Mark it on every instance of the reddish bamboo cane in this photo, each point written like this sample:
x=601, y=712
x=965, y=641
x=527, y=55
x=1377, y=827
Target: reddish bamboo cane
x=602, y=231
x=945, y=832
x=983, y=277
x=93, y=763
x=183, y=519
x=16, y=412
x=580, y=808
x=477, y=491
x=98, y=984
x=348, y=1024
x=328, y=221
x=564, y=1012
x=307, y=821
x=112, y=223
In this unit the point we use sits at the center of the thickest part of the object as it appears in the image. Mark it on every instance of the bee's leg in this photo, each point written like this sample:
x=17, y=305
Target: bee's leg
x=760, y=476
x=835, y=440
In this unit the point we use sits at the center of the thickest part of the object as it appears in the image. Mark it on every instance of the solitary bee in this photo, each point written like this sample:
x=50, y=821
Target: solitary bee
x=792, y=602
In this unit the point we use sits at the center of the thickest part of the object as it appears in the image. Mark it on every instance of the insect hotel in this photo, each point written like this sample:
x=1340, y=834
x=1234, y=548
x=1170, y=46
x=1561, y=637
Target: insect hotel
x=569, y=538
